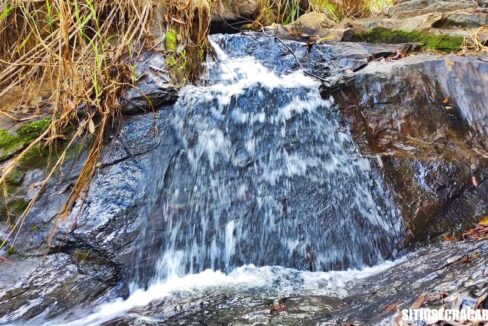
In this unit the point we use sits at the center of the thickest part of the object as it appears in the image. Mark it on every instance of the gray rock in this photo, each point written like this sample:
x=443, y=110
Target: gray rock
x=427, y=118
x=396, y=110
x=420, y=7
x=153, y=88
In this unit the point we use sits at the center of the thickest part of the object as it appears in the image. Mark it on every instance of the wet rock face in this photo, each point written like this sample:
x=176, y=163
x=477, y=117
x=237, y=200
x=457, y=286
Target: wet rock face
x=49, y=286
x=428, y=148
x=154, y=87
x=425, y=119
x=437, y=270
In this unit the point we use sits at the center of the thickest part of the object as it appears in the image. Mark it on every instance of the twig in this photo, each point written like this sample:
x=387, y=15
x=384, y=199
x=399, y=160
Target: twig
x=296, y=58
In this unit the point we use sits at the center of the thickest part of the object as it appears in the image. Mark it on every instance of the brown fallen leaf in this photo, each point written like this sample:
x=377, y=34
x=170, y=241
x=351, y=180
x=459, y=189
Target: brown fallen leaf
x=481, y=300
x=449, y=238
x=420, y=300
x=484, y=221
x=277, y=308
x=445, y=101
x=474, y=181
x=391, y=307
x=466, y=260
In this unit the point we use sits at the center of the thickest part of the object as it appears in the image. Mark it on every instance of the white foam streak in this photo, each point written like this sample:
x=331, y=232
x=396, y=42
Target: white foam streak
x=290, y=282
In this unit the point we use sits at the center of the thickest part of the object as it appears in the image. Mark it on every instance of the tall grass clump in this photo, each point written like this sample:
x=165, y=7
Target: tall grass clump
x=82, y=49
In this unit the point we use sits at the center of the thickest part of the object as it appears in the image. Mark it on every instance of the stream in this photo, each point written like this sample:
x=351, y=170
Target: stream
x=261, y=195
x=268, y=194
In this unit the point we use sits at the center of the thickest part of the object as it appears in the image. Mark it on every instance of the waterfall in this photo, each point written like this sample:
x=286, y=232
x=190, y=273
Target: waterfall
x=268, y=193
x=266, y=175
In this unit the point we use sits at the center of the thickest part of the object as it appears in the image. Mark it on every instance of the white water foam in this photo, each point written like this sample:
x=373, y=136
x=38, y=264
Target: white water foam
x=290, y=282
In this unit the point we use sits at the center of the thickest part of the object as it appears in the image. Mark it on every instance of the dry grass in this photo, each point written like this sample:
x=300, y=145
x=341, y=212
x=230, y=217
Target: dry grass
x=82, y=50
x=473, y=43
x=286, y=11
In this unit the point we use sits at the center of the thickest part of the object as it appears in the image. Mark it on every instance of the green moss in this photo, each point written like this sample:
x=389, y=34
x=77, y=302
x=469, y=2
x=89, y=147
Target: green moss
x=81, y=256
x=10, y=250
x=35, y=158
x=30, y=131
x=15, y=177
x=171, y=40
x=6, y=138
x=34, y=228
x=441, y=43
x=9, y=144
x=18, y=206
x=12, y=143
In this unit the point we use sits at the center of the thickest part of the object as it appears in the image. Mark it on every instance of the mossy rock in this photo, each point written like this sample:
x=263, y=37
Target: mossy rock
x=32, y=130
x=9, y=144
x=18, y=206
x=15, y=177
x=12, y=143
x=439, y=43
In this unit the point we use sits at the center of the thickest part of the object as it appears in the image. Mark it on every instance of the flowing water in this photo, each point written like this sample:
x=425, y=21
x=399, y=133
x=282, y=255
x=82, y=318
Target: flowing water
x=266, y=176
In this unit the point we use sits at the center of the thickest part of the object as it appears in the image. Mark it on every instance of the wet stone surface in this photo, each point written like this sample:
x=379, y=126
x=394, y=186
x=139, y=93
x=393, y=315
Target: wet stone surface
x=399, y=118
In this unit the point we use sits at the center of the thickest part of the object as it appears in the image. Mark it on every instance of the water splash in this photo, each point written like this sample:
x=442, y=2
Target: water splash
x=266, y=175
x=277, y=280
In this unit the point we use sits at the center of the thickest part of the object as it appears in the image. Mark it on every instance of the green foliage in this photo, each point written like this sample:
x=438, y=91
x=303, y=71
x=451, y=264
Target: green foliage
x=171, y=40
x=440, y=43
x=10, y=250
x=18, y=206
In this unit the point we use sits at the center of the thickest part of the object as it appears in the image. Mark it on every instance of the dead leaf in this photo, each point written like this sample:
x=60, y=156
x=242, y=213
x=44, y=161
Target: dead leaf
x=91, y=126
x=445, y=101
x=449, y=238
x=474, y=181
x=391, y=307
x=481, y=300
x=484, y=221
x=277, y=308
x=420, y=300
x=465, y=260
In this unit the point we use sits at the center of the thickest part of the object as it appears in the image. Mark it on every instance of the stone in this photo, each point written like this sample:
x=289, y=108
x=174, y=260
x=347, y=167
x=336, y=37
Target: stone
x=398, y=113
x=420, y=7
x=312, y=23
x=424, y=117
x=153, y=88
x=416, y=23
x=231, y=10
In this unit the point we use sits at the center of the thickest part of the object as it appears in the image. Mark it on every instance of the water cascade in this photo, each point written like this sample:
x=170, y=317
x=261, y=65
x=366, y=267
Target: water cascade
x=266, y=175
x=267, y=191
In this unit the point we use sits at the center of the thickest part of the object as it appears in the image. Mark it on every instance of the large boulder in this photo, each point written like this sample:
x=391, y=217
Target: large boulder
x=410, y=8
x=425, y=118
x=231, y=10
x=437, y=17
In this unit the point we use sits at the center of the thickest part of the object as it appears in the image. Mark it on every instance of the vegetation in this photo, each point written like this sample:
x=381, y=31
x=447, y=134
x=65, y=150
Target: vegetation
x=441, y=43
